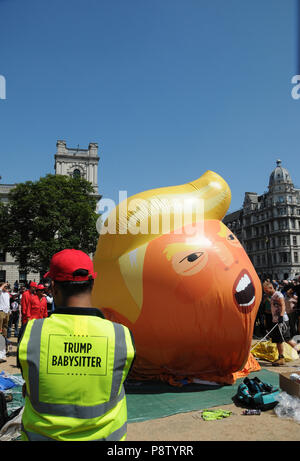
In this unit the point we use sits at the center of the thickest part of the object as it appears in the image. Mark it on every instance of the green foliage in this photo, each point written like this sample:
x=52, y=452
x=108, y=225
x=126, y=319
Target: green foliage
x=4, y=216
x=49, y=215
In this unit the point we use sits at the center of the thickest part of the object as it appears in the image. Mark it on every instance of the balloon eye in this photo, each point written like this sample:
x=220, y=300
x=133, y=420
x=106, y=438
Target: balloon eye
x=230, y=237
x=192, y=257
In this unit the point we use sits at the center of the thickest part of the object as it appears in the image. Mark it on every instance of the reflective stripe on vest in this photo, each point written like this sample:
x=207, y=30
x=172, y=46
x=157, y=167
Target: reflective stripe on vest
x=114, y=436
x=74, y=411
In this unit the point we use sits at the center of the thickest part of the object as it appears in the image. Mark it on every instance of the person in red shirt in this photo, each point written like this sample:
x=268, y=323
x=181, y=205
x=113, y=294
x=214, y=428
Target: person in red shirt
x=38, y=305
x=26, y=301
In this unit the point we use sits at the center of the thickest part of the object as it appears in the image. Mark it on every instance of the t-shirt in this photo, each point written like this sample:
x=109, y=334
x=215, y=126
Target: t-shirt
x=14, y=306
x=4, y=301
x=276, y=306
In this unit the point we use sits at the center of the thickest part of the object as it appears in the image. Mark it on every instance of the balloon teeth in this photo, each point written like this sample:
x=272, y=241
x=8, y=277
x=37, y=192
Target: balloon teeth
x=243, y=283
x=244, y=292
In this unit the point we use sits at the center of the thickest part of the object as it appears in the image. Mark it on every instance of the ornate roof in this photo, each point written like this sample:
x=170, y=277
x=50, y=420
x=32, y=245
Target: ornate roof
x=279, y=175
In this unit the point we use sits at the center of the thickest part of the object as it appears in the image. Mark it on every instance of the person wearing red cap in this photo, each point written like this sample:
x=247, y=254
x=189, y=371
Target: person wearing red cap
x=26, y=301
x=37, y=307
x=74, y=363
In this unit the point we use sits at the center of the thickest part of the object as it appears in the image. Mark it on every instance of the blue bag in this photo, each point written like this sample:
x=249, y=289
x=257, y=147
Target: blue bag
x=5, y=383
x=256, y=394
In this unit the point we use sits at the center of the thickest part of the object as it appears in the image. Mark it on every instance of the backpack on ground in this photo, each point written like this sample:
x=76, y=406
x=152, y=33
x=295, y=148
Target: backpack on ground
x=253, y=393
x=3, y=410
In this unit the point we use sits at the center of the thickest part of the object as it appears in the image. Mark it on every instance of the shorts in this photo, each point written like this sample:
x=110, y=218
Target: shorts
x=276, y=336
x=3, y=323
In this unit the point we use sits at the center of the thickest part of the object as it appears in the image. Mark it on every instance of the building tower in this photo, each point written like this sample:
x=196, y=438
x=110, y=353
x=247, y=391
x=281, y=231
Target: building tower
x=268, y=226
x=78, y=162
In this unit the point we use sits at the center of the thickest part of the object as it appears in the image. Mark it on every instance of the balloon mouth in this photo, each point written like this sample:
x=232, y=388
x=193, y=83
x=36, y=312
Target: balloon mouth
x=244, y=292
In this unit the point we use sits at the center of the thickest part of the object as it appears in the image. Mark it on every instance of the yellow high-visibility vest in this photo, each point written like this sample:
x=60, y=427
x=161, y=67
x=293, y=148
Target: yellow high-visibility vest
x=74, y=367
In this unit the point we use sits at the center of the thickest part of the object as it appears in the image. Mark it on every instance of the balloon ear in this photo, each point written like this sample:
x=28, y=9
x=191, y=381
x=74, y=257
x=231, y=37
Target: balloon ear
x=131, y=267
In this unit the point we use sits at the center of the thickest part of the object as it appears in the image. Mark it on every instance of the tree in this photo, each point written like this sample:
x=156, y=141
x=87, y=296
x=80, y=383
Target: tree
x=49, y=215
x=4, y=216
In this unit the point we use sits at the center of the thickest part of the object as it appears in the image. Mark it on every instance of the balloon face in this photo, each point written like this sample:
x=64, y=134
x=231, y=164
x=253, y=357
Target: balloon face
x=189, y=296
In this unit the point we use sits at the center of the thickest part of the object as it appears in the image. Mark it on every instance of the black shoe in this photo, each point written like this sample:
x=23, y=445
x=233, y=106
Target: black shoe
x=3, y=410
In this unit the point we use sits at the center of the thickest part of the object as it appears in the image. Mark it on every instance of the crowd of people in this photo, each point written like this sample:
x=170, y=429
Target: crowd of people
x=30, y=300
x=22, y=303
x=279, y=313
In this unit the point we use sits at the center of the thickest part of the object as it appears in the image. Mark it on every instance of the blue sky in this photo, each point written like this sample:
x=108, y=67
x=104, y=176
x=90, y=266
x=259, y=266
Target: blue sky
x=167, y=88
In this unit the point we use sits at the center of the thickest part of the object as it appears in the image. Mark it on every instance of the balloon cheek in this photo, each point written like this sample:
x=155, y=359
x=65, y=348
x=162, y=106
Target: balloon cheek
x=187, y=263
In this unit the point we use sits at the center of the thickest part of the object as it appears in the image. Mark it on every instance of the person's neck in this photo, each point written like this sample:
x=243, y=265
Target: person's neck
x=78, y=301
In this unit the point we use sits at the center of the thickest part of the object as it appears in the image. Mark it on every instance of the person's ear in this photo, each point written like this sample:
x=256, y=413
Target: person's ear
x=55, y=290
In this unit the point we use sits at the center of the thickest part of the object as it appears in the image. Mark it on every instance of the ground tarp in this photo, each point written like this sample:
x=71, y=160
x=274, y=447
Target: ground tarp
x=147, y=401
x=151, y=400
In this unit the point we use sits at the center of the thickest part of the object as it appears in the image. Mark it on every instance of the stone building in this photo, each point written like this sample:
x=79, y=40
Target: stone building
x=78, y=162
x=268, y=226
x=68, y=161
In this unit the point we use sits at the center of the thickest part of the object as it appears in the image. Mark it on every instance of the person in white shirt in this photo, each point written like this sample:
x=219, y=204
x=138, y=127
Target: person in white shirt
x=14, y=316
x=4, y=309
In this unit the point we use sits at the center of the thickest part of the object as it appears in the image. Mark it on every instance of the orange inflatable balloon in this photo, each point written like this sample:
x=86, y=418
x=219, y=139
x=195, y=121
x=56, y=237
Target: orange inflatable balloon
x=190, y=295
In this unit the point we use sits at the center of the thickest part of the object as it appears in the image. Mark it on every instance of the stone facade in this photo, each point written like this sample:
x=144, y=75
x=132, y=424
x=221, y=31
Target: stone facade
x=68, y=161
x=268, y=226
x=78, y=162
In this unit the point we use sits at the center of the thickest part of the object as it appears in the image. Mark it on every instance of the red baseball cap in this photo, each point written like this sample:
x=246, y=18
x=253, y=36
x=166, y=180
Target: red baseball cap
x=33, y=284
x=40, y=287
x=64, y=263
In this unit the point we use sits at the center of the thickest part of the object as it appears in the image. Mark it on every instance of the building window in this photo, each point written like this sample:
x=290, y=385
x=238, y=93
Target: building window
x=2, y=256
x=282, y=224
x=283, y=257
x=2, y=276
x=76, y=173
x=283, y=241
x=22, y=276
x=296, y=260
x=294, y=240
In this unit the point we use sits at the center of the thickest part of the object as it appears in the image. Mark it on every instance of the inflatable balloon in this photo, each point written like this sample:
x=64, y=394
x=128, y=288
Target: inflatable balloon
x=170, y=270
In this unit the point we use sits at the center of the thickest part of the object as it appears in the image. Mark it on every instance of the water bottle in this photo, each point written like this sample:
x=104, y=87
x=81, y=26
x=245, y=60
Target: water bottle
x=295, y=377
x=251, y=412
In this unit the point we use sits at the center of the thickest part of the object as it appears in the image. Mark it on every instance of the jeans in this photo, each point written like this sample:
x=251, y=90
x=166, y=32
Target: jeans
x=13, y=320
